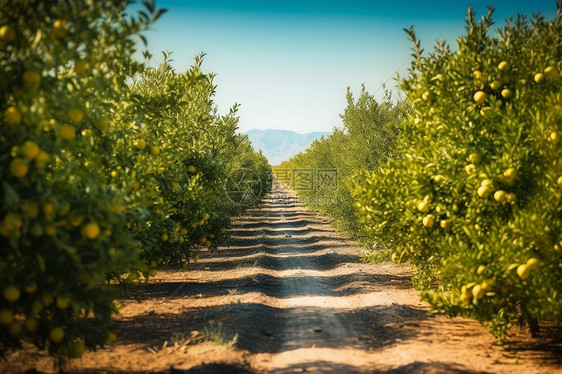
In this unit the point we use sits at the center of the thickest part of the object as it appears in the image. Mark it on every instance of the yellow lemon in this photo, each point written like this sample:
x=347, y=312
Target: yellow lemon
x=429, y=220
x=551, y=73
x=90, y=230
x=439, y=179
x=19, y=167
x=103, y=124
x=495, y=85
x=478, y=292
x=423, y=206
x=12, y=116
x=510, y=173
x=49, y=208
x=60, y=29
x=75, y=114
x=480, y=97
x=470, y=168
x=56, y=334
x=155, y=150
x=41, y=159
x=483, y=191
x=540, y=77
x=30, y=288
x=31, y=78
x=67, y=132
x=78, y=348
x=11, y=293
x=474, y=158
x=49, y=230
x=29, y=149
x=486, y=182
x=500, y=195
x=62, y=302
x=532, y=262
x=7, y=33
x=6, y=317
x=524, y=271
x=504, y=66
x=140, y=144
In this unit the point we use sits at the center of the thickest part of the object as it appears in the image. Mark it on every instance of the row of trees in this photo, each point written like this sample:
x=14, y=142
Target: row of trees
x=468, y=188
x=108, y=168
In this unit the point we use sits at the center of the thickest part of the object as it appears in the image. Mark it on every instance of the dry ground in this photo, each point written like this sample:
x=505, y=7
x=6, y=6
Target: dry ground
x=286, y=294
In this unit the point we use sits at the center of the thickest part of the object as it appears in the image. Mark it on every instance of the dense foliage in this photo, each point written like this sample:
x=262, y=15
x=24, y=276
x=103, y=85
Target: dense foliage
x=472, y=196
x=108, y=168
x=365, y=139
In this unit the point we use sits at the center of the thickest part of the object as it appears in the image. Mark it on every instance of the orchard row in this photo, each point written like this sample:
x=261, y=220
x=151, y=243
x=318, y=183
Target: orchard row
x=109, y=169
x=463, y=179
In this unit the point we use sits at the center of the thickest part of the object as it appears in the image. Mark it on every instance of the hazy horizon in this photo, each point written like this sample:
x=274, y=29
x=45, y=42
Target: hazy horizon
x=279, y=145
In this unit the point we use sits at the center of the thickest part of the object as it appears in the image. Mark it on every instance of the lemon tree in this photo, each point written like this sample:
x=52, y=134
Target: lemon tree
x=178, y=185
x=59, y=233
x=108, y=168
x=473, y=196
x=365, y=140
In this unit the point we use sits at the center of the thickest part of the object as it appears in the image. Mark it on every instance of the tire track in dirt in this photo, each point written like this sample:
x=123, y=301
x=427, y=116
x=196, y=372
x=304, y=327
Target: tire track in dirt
x=311, y=322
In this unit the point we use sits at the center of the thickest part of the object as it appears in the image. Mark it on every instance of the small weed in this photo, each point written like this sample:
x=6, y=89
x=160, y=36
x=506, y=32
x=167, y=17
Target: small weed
x=213, y=333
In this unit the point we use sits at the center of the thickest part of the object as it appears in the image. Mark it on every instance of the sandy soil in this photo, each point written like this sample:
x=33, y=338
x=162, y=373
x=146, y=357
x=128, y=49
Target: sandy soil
x=286, y=294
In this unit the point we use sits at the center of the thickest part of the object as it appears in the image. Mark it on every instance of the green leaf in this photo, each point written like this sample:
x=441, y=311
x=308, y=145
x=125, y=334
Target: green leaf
x=10, y=195
x=41, y=262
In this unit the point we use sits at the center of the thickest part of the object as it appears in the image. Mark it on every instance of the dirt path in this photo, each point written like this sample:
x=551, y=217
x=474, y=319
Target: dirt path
x=286, y=294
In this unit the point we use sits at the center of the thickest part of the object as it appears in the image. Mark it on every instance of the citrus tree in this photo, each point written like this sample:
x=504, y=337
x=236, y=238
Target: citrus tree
x=108, y=168
x=365, y=139
x=174, y=156
x=62, y=229
x=473, y=198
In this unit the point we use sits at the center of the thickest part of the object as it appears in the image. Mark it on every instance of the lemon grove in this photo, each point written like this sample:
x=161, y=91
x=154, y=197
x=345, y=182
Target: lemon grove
x=108, y=168
x=468, y=186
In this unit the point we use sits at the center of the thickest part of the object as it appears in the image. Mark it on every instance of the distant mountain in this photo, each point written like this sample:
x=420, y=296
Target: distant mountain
x=281, y=145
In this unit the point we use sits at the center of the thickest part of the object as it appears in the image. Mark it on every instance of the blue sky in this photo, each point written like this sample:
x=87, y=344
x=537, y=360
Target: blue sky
x=288, y=63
